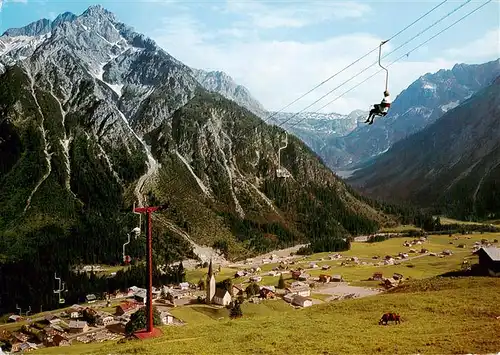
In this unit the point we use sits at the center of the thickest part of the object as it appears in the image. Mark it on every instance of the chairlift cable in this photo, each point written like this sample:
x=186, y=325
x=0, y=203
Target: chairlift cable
x=342, y=70
x=404, y=55
x=368, y=67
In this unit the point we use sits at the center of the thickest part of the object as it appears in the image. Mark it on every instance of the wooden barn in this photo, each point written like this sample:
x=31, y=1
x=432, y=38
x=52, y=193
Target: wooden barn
x=489, y=260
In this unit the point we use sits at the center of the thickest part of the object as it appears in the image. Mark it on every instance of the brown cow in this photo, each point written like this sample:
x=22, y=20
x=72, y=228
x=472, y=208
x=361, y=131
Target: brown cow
x=396, y=318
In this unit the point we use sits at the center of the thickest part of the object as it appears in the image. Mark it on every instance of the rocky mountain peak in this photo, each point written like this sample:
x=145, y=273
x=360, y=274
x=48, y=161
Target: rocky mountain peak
x=421, y=104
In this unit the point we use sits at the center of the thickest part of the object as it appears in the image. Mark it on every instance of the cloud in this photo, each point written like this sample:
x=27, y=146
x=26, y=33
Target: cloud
x=487, y=46
x=294, y=15
x=278, y=71
x=2, y=2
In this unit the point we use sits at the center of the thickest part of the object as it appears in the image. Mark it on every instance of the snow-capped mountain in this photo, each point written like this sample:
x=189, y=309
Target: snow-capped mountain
x=94, y=116
x=313, y=128
x=221, y=83
x=453, y=164
x=421, y=104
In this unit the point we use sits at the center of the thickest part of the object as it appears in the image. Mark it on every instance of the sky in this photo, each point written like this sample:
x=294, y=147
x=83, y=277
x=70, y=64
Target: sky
x=280, y=50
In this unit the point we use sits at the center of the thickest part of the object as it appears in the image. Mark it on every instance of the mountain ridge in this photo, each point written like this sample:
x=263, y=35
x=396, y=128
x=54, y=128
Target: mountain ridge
x=452, y=165
x=422, y=103
x=95, y=117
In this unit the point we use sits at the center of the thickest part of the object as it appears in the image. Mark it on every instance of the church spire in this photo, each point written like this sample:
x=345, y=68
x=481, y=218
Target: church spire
x=210, y=272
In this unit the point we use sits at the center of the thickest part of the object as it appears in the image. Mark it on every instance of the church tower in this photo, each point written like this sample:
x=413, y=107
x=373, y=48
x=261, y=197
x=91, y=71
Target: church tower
x=210, y=284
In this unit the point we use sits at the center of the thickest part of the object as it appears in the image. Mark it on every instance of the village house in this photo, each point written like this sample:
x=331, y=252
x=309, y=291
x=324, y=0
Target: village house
x=184, y=285
x=91, y=298
x=302, y=290
x=14, y=318
x=125, y=308
x=166, y=318
x=301, y=301
x=304, y=277
x=288, y=297
x=77, y=326
x=141, y=296
x=237, y=290
x=324, y=278
x=377, y=276
x=267, y=292
x=255, y=278
x=296, y=274
x=239, y=274
x=489, y=260
x=337, y=278
x=325, y=267
x=221, y=297
x=51, y=319
x=105, y=319
x=57, y=339
x=397, y=276
x=73, y=313
x=23, y=347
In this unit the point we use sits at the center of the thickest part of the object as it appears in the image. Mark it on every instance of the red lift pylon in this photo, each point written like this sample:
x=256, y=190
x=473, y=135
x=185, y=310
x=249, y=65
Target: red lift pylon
x=150, y=331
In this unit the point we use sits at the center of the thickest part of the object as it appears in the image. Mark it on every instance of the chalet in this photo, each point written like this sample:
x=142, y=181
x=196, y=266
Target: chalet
x=301, y=301
x=141, y=296
x=166, y=318
x=77, y=326
x=489, y=260
x=73, y=313
x=304, y=277
x=184, y=285
x=296, y=274
x=256, y=279
x=60, y=340
x=14, y=318
x=53, y=329
x=91, y=298
x=239, y=274
x=222, y=297
x=288, y=297
x=324, y=278
x=105, y=320
x=397, y=276
x=126, y=307
x=51, y=319
x=57, y=339
x=337, y=278
x=377, y=276
x=237, y=290
x=325, y=267
x=117, y=328
x=267, y=292
x=23, y=347
x=301, y=291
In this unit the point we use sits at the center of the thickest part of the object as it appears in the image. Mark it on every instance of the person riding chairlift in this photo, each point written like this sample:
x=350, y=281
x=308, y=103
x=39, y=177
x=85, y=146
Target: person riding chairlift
x=380, y=109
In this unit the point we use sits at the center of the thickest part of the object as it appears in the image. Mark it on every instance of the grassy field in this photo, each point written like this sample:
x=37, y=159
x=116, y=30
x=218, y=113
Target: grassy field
x=440, y=315
x=446, y=220
x=400, y=229
x=446, y=315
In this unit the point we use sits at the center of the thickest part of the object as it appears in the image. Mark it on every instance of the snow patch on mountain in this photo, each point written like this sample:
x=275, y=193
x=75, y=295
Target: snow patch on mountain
x=450, y=105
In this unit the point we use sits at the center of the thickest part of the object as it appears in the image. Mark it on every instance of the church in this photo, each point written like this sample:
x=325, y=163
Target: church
x=215, y=296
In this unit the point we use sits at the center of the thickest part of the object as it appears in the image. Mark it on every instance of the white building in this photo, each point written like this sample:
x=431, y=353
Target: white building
x=301, y=301
x=222, y=297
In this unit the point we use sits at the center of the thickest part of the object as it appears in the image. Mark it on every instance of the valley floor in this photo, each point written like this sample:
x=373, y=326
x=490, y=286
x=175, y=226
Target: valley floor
x=439, y=314
x=459, y=315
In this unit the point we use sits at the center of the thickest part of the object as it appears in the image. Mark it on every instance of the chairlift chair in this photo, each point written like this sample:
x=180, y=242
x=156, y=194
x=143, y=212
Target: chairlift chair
x=281, y=172
x=386, y=76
